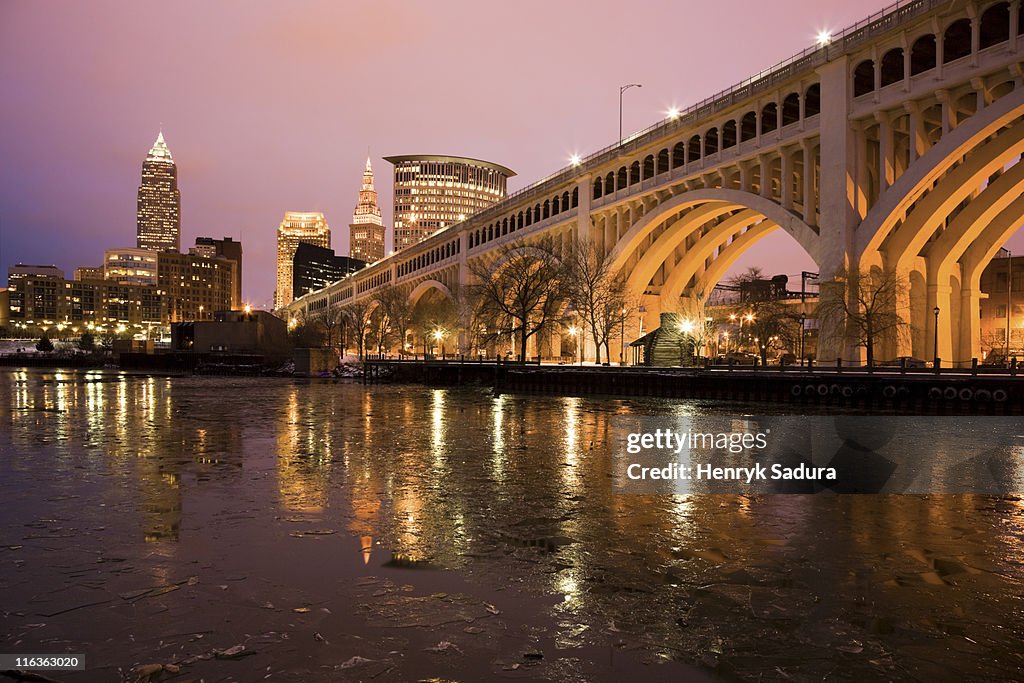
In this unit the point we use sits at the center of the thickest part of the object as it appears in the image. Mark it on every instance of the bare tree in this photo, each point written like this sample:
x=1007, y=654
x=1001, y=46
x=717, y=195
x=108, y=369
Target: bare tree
x=306, y=332
x=768, y=320
x=395, y=314
x=434, y=314
x=469, y=316
x=521, y=291
x=358, y=314
x=693, y=322
x=863, y=306
x=598, y=295
x=329, y=320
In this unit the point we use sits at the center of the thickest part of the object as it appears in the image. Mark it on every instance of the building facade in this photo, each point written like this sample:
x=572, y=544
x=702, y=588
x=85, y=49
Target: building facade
x=1002, y=306
x=41, y=302
x=366, y=231
x=130, y=266
x=225, y=248
x=195, y=287
x=297, y=227
x=433, y=192
x=315, y=267
x=89, y=273
x=159, y=201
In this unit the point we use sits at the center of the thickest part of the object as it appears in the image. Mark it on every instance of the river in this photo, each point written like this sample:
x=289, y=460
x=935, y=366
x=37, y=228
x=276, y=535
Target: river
x=319, y=530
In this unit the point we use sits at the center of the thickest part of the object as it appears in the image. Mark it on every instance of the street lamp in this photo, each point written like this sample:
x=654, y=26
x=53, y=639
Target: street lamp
x=622, y=338
x=686, y=327
x=623, y=89
x=749, y=317
x=575, y=342
x=935, y=338
x=438, y=336
x=803, y=318
x=1009, y=300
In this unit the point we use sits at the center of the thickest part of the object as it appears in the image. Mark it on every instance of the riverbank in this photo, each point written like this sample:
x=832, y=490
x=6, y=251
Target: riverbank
x=882, y=389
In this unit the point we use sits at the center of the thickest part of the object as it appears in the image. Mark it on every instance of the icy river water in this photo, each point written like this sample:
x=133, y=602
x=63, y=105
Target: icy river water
x=236, y=529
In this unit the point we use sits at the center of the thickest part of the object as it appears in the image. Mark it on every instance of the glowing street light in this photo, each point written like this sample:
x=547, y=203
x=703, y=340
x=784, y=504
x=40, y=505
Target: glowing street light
x=438, y=336
x=673, y=113
x=575, y=160
x=824, y=38
x=686, y=326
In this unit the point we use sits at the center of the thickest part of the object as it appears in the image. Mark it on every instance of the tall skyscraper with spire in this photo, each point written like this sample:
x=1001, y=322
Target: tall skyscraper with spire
x=366, y=231
x=159, y=204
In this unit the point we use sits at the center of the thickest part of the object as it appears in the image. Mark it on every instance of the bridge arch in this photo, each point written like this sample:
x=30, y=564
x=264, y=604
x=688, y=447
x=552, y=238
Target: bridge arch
x=719, y=201
x=894, y=205
x=425, y=286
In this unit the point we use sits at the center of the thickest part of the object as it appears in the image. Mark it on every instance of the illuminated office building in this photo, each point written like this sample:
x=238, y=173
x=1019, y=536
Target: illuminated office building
x=366, y=231
x=433, y=192
x=159, y=201
x=195, y=287
x=297, y=227
x=224, y=248
x=315, y=267
x=130, y=266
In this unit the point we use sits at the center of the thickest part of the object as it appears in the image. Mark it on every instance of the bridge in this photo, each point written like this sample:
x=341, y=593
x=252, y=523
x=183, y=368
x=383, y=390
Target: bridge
x=894, y=148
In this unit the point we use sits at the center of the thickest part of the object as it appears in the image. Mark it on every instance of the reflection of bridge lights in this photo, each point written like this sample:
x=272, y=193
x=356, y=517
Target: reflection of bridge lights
x=824, y=38
x=575, y=160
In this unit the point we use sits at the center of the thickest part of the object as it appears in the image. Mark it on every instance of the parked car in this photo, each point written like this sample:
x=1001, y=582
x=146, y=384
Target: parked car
x=736, y=358
x=995, y=360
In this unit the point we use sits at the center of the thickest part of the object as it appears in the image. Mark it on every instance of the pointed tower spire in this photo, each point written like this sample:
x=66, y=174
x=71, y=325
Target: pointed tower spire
x=366, y=232
x=159, y=150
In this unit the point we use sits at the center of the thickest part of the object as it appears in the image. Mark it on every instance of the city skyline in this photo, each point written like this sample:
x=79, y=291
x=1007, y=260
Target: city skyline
x=255, y=158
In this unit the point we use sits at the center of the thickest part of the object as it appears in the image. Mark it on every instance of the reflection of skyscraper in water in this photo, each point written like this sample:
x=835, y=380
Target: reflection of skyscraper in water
x=161, y=502
x=303, y=457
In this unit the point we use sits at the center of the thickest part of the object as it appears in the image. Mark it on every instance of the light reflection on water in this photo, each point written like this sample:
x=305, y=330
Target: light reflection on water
x=463, y=479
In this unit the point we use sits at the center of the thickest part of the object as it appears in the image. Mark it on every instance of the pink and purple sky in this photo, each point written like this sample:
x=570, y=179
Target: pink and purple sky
x=271, y=106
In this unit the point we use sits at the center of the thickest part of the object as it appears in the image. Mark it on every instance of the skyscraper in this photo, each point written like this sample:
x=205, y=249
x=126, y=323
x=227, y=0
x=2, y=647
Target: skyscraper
x=159, y=204
x=296, y=227
x=226, y=248
x=366, y=231
x=433, y=192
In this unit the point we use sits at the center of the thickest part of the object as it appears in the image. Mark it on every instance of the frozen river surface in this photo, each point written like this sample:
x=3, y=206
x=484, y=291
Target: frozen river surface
x=231, y=529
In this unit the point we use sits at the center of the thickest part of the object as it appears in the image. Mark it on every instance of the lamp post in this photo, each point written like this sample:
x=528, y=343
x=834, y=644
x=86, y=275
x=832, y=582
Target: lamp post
x=686, y=327
x=623, y=89
x=935, y=336
x=1009, y=300
x=438, y=337
x=622, y=338
x=803, y=318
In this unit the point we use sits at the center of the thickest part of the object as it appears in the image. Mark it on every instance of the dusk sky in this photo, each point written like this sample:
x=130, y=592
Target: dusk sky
x=269, y=107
